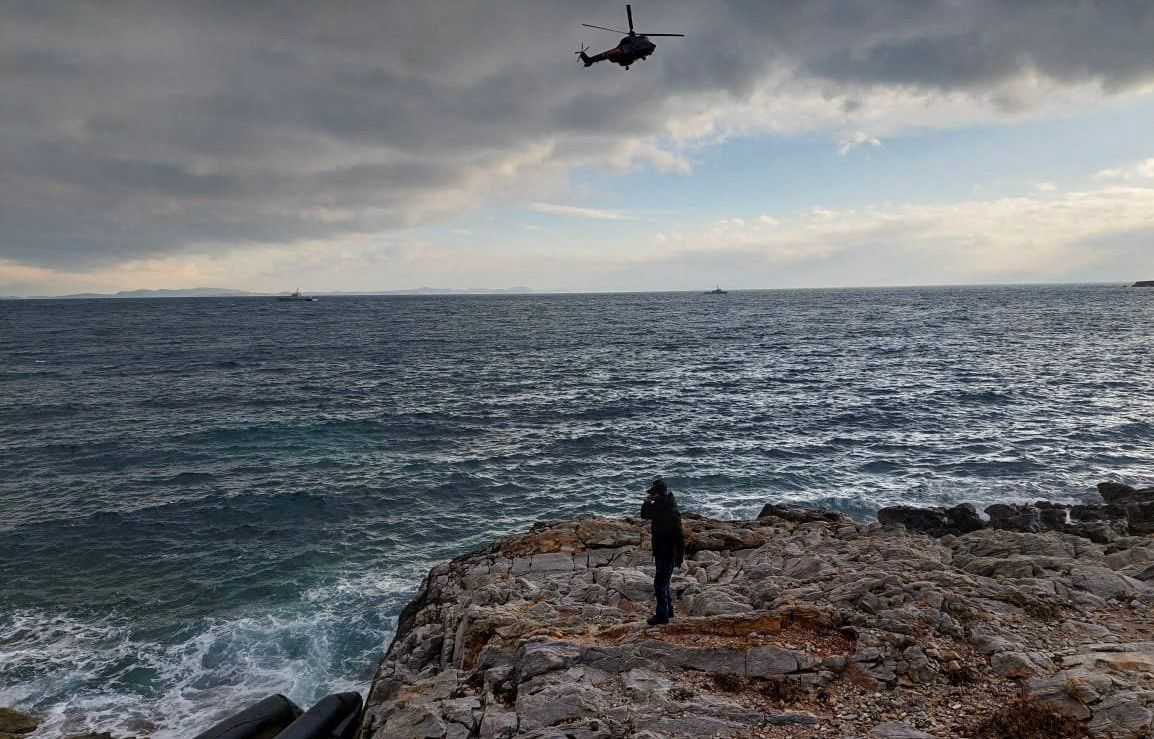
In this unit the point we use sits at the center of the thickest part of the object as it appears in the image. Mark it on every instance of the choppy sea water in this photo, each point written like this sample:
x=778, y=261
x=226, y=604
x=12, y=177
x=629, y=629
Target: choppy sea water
x=205, y=501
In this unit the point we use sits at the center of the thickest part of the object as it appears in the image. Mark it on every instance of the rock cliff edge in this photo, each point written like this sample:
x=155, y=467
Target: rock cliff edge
x=801, y=623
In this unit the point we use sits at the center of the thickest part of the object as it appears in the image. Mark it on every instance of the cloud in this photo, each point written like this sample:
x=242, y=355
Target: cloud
x=1000, y=240
x=140, y=130
x=1140, y=171
x=1102, y=233
x=729, y=224
x=596, y=214
x=857, y=139
x=817, y=213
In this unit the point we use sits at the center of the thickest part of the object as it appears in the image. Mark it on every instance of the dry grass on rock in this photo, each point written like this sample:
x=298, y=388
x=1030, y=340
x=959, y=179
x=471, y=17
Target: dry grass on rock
x=1028, y=718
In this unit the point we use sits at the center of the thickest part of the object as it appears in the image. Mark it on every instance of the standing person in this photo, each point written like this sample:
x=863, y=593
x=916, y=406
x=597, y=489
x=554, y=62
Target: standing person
x=668, y=545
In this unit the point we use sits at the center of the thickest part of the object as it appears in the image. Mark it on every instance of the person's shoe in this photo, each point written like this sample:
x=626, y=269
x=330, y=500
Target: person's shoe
x=656, y=620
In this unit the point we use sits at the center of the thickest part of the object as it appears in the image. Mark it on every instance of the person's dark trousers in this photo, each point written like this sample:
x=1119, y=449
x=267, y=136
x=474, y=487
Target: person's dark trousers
x=661, y=588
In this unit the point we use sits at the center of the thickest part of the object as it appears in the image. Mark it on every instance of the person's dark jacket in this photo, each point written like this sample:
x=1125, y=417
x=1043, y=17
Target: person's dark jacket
x=665, y=525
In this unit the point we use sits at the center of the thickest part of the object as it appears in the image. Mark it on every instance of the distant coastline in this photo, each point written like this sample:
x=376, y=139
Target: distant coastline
x=223, y=292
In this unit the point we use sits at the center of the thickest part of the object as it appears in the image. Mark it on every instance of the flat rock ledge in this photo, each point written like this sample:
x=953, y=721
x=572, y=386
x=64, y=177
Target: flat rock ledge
x=800, y=623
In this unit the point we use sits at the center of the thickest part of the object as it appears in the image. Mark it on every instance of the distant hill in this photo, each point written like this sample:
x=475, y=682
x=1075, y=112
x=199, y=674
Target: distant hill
x=224, y=292
x=1144, y=283
x=189, y=292
x=441, y=291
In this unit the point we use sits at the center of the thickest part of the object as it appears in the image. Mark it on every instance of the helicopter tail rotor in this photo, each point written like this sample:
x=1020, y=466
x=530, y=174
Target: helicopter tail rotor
x=581, y=49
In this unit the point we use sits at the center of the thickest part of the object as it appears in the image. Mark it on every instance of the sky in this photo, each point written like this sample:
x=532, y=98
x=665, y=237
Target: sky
x=384, y=145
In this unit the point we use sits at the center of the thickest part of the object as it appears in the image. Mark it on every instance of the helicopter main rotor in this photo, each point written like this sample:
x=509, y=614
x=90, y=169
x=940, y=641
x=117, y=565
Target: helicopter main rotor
x=630, y=32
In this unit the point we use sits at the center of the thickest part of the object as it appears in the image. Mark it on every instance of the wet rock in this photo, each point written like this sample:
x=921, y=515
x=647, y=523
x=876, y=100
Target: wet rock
x=1012, y=517
x=961, y=519
x=1136, y=505
x=801, y=514
x=16, y=722
x=1114, y=492
x=1053, y=516
x=1087, y=512
x=1140, y=517
x=964, y=518
x=929, y=520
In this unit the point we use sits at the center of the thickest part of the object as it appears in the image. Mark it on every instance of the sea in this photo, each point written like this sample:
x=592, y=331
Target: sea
x=205, y=501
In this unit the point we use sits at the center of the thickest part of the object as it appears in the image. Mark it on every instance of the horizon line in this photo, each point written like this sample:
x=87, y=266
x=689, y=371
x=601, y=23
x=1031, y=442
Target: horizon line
x=433, y=292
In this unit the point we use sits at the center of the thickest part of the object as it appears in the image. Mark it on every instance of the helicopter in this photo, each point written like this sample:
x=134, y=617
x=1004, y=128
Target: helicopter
x=633, y=48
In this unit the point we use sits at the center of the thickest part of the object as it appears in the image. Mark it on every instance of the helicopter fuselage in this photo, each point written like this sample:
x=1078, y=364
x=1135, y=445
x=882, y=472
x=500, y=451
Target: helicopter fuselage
x=631, y=49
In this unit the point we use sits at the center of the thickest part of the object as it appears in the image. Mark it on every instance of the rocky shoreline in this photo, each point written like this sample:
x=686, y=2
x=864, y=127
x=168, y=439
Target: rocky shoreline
x=1034, y=621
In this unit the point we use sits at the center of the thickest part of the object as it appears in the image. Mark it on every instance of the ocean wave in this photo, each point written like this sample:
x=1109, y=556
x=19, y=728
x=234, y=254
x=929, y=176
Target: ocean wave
x=98, y=675
x=213, y=491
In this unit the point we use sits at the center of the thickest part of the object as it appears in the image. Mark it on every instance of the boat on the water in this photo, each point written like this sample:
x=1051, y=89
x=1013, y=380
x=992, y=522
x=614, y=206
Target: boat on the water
x=296, y=297
x=716, y=291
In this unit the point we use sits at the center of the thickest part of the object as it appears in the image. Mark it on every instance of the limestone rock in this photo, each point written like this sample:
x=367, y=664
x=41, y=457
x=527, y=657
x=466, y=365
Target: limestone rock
x=897, y=730
x=800, y=622
x=791, y=718
x=496, y=724
x=1022, y=664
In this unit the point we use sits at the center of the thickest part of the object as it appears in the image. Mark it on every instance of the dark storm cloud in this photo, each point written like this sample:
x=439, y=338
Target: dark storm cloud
x=140, y=128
